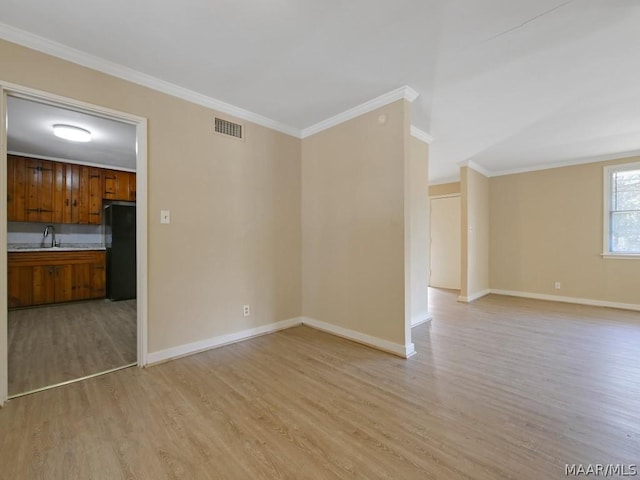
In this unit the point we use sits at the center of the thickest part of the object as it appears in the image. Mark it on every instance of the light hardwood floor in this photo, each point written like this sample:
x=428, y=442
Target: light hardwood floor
x=58, y=343
x=502, y=388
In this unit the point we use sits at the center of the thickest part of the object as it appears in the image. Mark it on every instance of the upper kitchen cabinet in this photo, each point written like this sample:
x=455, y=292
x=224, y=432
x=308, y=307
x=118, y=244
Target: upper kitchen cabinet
x=30, y=189
x=119, y=185
x=53, y=192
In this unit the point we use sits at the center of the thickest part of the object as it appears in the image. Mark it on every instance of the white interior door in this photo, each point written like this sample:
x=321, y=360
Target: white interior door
x=445, y=242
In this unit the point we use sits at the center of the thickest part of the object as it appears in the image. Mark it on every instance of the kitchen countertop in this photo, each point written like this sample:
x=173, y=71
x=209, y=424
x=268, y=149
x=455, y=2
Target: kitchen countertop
x=69, y=247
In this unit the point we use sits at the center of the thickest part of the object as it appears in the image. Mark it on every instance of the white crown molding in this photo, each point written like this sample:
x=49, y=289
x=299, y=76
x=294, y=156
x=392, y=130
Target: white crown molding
x=478, y=168
x=405, y=92
x=569, y=163
x=44, y=45
x=79, y=57
x=421, y=135
x=574, y=300
x=445, y=180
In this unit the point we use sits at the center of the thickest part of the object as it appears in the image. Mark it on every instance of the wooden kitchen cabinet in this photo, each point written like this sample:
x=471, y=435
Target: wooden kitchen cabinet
x=16, y=188
x=40, y=278
x=119, y=185
x=30, y=189
x=43, y=191
x=90, y=196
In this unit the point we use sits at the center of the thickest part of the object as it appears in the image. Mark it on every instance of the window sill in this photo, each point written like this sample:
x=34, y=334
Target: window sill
x=621, y=256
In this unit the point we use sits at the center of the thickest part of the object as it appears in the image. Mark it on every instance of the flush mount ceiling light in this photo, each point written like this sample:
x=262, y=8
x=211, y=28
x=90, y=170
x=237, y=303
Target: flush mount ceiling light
x=69, y=132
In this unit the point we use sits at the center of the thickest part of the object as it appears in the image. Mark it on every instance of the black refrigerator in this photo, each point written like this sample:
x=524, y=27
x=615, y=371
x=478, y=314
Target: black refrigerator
x=120, y=241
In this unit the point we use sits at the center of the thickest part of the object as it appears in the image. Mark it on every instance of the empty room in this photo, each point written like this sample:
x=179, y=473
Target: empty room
x=319, y=239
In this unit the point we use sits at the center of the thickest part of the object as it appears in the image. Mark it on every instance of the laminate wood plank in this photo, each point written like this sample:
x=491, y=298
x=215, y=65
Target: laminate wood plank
x=53, y=344
x=502, y=388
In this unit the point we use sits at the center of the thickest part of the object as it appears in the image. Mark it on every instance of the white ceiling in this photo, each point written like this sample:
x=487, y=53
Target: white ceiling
x=508, y=84
x=30, y=132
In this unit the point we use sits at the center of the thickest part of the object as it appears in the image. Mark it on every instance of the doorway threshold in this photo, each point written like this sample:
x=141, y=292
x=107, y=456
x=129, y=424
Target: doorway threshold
x=68, y=382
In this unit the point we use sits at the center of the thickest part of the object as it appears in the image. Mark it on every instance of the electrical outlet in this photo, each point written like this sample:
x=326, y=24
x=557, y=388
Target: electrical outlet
x=557, y=285
x=246, y=310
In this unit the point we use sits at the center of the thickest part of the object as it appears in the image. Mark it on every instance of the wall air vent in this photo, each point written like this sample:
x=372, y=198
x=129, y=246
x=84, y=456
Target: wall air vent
x=225, y=127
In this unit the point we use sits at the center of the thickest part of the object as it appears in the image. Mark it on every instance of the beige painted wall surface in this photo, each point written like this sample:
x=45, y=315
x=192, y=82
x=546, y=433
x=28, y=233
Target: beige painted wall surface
x=546, y=226
x=353, y=224
x=445, y=236
x=475, y=233
x=444, y=189
x=235, y=235
x=417, y=218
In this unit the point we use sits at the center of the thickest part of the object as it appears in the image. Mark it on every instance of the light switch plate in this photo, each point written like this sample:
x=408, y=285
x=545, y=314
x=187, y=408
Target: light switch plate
x=165, y=216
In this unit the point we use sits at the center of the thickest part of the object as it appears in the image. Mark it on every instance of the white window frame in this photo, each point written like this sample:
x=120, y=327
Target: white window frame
x=606, y=246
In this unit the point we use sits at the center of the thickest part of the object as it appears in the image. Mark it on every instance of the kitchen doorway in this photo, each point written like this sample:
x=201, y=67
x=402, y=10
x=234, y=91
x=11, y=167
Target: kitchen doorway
x=69, y=307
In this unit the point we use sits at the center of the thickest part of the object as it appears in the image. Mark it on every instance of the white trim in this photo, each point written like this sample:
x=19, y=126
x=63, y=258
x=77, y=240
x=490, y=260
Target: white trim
x=421, y=135
x=141, y=209
x=405, y=92
x=420, y=319
x=74, y=162
x=446, y=195
x=621, y=256
x=142, y=241
x=606, y=209
x=220, y=341
x=478, y=168
x=4, y=351
x=445, y=180
x=475, y=296
x=568, y=163
x=79, y=57
x=404, y=351
x=574, y=300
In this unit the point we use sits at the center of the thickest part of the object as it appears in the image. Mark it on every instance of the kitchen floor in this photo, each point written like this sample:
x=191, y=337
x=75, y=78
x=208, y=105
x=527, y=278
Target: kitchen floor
x=58, y=343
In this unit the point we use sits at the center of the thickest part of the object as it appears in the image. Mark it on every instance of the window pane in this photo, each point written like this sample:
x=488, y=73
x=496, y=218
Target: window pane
x=626, y=190
x=625, y=232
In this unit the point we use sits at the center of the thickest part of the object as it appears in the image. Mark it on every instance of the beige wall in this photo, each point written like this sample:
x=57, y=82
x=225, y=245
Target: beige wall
x=444, y=189
x=353, y=224
x=235, y=236
x=417, y=233
x=546, y=226
x=474, y=278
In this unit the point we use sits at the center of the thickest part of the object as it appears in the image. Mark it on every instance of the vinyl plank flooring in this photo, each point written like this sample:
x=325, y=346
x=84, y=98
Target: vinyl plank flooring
x=499, y=389
x=57, y=343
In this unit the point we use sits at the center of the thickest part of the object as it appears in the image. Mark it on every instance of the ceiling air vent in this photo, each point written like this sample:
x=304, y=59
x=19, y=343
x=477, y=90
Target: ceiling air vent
x=225, y=127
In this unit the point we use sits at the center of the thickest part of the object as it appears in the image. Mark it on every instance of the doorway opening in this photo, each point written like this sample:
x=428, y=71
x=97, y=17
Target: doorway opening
x=73, y=302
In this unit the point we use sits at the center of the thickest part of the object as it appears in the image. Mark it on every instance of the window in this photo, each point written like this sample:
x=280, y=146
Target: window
x=622, y=209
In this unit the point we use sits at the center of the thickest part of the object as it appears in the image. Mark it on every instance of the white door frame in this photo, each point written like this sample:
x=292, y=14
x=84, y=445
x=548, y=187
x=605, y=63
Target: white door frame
x=140, y=123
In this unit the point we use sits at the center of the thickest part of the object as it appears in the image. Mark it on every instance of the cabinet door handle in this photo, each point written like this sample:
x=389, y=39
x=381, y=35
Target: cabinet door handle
x=66, y=202
x=75, y=203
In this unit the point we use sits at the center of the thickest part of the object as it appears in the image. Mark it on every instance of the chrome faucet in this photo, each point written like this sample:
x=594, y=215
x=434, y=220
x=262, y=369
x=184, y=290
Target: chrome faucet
x=50, y=229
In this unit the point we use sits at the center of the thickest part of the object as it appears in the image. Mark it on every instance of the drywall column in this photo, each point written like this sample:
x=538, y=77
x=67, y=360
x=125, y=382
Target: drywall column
x=353, y=228
x=474, y=196
x=417, y=233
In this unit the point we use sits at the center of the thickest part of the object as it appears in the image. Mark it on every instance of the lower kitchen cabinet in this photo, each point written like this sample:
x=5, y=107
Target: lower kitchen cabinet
x=41, y=278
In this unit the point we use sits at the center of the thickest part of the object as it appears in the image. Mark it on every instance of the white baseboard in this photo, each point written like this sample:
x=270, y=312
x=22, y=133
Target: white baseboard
x=576, y=300
x=404, y=351
x=219, y=341
x=474, y=296
x=420, y=319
